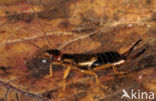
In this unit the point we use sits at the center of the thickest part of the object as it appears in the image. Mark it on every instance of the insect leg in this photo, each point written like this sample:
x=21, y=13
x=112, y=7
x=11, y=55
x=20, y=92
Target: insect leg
x=50, y=72
x=91, y=73
x=117, y=72
x=95, y=75
x=102, y=67
x=65, y=76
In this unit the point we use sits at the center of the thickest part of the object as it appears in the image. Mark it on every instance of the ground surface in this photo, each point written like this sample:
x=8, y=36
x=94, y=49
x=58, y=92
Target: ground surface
x=74, y=26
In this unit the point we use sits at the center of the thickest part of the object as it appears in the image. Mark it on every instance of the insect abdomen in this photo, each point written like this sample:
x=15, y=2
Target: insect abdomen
x=108, y=58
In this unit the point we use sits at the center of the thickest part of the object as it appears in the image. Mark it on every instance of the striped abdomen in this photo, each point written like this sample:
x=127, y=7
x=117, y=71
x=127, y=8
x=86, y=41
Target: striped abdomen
x=108, y=58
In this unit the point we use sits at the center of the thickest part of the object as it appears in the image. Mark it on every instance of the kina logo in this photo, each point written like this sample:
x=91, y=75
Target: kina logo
x=137, y=95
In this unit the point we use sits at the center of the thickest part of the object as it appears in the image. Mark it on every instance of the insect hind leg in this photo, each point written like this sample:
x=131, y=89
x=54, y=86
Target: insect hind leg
x=117, y=72
x=95, y=75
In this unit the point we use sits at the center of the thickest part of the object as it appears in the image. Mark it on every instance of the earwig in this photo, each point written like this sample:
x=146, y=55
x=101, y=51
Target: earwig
x=87, y=63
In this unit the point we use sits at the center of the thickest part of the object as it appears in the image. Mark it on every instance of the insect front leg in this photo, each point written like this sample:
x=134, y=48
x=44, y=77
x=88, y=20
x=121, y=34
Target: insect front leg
x=65, y=76
x=50, y=72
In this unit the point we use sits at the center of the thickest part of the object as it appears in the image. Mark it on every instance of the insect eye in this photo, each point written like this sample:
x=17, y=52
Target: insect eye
x=52, y=58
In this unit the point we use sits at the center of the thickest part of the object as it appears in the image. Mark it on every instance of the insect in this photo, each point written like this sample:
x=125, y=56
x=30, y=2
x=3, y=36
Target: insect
x=87, y=63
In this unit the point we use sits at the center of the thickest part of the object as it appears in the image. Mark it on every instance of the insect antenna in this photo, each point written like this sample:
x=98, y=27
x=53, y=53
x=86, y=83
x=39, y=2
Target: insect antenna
x=44, y=32
x=31, y=43
x=40, y=51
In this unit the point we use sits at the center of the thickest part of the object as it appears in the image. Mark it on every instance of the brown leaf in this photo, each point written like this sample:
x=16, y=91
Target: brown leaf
x=74, y=26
